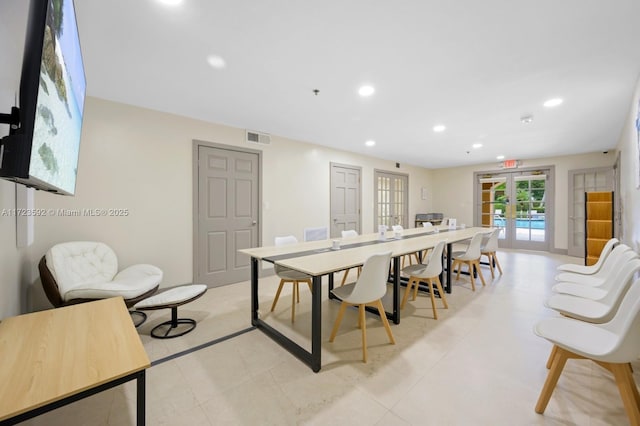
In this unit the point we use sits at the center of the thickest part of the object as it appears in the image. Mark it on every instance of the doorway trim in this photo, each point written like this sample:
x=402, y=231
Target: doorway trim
x=196, y=144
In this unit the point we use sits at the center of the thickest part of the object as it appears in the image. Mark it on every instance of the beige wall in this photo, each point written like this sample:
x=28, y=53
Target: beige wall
x=14, y=262
x=141, y=160
x=629, y=193
x=453, y=188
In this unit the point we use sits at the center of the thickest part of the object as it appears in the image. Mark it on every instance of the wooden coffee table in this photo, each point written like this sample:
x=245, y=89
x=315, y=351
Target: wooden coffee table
x=55, y=357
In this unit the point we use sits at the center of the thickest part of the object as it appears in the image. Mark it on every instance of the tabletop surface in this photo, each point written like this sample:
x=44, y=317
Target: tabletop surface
x=49, y=355
x=321, y=260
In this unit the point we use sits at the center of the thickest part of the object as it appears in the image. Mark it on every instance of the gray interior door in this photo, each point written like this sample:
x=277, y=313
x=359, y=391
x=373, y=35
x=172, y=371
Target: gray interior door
x=345, y=199
x=581, y=181
x=227, y=214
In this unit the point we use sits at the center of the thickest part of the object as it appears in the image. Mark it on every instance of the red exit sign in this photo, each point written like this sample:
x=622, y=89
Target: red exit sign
x=510, y=164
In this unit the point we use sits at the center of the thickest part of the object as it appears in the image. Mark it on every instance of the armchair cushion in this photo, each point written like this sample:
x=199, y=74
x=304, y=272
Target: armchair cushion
x=129, y=283
x=89, y=270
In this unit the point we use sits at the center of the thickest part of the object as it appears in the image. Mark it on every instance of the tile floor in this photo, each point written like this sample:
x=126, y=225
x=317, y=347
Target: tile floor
x=479, y=364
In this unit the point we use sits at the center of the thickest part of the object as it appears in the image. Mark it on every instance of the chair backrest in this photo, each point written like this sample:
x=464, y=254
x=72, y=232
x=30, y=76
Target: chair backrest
x=81, y=262
x=473, y=250
x=427, y=225
x=613, y=299
x=626, y=326
x=397, y=228
x=349, y=233
x=445, y=221
x=372, y=282
x=434, y=263
x=606, y=251
x=315, y=234
x=287, y=239
x=492, y=242
x=613, y=262
x=612, y=279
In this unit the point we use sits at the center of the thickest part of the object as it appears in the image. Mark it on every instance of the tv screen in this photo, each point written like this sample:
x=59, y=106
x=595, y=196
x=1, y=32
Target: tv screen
x=43, y=151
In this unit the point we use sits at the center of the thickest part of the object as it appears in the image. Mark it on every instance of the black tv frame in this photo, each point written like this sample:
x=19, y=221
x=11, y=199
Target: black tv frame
x=18, y=144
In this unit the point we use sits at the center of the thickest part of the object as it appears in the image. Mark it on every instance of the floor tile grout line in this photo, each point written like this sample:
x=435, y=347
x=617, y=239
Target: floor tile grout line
x=202, y=346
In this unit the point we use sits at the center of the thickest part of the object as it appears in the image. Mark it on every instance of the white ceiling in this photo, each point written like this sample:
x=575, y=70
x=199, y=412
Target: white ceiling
x=474, y=66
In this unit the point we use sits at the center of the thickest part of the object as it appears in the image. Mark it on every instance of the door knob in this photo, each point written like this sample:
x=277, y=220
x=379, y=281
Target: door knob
x=254, y=223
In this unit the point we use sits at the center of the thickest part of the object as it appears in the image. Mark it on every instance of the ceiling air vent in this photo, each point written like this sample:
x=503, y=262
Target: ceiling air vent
x=255, y=137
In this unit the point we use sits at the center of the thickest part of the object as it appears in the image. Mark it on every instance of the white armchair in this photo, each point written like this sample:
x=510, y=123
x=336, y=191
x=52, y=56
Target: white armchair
x=81, y=271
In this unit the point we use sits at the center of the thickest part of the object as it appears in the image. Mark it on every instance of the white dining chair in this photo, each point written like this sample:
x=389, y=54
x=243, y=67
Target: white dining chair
x=287, y=275
x=410, y=256
x=613, y=345
x=602, y=309
x=368, y=290
x=430, y=228
x=591, y=269
x=610, y=264
x=471, y=258
x=346, y=234
x=428, y=272
x=595, y=292
x=489, y=247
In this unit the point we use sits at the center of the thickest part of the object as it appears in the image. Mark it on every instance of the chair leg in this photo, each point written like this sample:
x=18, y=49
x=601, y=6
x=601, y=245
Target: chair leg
x=476, y=263
x=433, y=298
x=385, y=321
x=551, y=356
x=294, y=295
x=495, y=259
x=406, y=293
x=634, y=388
x=557, y=365
x=628, y=391
x=336, y=325
x=275, y=300
x=457, y=263
x=344, y=277
x=490, y=257
x=441, y=291
x=415, y=288
x=473, y=284
x=363, y=326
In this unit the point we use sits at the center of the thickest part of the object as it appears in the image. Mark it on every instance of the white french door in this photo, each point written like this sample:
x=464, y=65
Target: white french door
x=518, y=203
x=391, y=199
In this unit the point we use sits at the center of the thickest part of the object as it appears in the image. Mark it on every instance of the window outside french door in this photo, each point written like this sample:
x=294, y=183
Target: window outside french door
x=517, y=203
x=391, y=199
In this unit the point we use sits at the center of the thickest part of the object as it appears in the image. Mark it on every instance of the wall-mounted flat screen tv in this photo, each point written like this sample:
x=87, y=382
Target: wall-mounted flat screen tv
x=42, y=150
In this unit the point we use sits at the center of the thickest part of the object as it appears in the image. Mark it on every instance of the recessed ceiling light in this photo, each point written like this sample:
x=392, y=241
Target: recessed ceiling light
x=170, y=2
x=553, y=102
x=370, y=143
x=216, y=62
x=366, y=90
x=500, y=157
x=477, y=145
x=439, y=128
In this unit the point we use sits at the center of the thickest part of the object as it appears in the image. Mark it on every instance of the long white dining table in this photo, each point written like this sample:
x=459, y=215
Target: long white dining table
x=317, y=258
